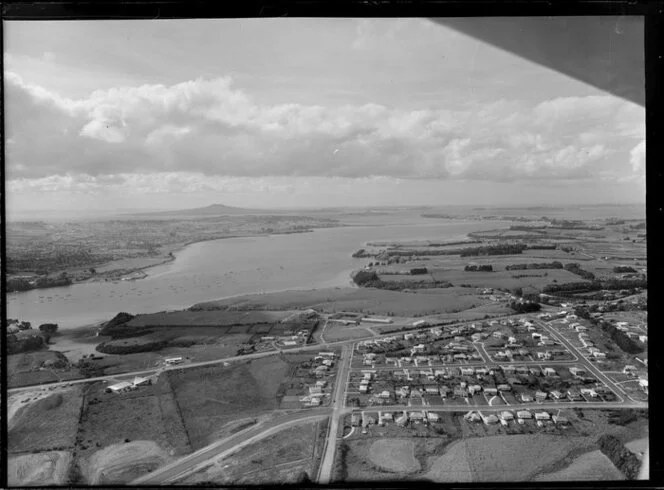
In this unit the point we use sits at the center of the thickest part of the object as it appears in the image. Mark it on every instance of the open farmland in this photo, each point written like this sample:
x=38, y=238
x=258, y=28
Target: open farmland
x=43, y=366
x=46, y=423
x=210, y=397
x=532, y=279
x=284, y=457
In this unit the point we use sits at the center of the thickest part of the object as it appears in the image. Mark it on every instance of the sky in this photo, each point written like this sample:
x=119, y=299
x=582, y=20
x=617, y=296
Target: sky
x=265, y=113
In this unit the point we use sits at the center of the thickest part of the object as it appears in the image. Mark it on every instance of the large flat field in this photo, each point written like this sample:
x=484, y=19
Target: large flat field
x=122, y=436
x=212, y=396
x=208, y=318
x=363, y=300
x=283, y=458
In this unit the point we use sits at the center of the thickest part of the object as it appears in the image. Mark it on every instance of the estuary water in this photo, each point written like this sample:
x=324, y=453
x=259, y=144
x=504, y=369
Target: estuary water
x=229, y=267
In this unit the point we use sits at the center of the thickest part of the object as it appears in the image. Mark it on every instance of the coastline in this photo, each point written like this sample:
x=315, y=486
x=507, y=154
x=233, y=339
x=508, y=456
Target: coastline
x=166, y=255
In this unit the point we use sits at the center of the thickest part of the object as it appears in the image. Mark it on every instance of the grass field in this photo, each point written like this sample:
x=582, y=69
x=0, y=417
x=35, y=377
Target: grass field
x=593, y=465
x=535, y=280
x=279, y=459
x=346, y=333
x=209, y=397
x=395, y=455
x=47, y=424
x=208, y=318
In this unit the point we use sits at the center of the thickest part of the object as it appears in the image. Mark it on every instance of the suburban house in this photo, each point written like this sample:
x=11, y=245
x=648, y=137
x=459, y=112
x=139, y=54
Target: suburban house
x=577, y=371
x=355, y=420
x=490, y=419
x=504, y=387
x=524, y=414
x=431, y=390
x=541, y=396
x=557, y=394
x=526, y=398
x=599, y=355
x=542, y=416
x=490, y=390
x=467, y=371
x=549, y=371
x=559, y=419
x=384, y=394
x=433, y=417
x=507, y=415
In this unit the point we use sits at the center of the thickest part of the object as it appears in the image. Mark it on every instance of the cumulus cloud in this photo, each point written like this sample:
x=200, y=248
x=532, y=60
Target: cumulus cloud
x=211, y=127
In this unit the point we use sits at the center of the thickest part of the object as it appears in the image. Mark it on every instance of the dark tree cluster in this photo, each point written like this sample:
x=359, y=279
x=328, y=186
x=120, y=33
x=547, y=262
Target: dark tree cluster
x=535, y=265
x=479, y=268
x=574, y=268
x=624, y=459
x=624, y=269
x=525, y=307
x=502, y=249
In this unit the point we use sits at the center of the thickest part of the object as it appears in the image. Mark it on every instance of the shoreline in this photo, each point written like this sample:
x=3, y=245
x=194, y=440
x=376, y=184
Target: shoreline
x=168, y=255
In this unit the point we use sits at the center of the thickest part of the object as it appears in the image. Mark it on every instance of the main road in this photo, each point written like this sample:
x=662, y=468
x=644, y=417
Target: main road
x=338, y=402
x=224, y=447
x=582, y=359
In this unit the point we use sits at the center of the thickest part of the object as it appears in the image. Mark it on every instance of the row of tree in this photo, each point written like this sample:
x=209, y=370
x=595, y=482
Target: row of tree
x=575, y=268
x=479, y=268
x=501, y=249
x=535, y=265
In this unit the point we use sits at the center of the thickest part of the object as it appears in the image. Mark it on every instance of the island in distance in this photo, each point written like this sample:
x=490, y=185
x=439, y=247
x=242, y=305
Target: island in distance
x=459, y=341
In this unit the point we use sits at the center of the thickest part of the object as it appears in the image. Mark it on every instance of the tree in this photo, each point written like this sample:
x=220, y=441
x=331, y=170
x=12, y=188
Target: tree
x=47, y=330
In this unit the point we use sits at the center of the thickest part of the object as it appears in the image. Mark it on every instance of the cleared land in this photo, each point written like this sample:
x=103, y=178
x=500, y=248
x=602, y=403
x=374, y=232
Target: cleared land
x=123, y=462
x=43, y=469
x=46, y=423
x=111, y=422
x=285, y=457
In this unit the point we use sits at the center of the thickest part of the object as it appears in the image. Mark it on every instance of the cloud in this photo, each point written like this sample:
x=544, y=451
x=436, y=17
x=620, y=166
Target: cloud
x=211, y=127
x=637, y=157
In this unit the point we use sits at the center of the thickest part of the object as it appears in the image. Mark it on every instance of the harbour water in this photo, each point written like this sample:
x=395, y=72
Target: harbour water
x=229, y=267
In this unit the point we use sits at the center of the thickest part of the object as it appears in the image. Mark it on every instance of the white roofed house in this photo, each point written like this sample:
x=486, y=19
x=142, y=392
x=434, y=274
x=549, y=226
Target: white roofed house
x=120, y=387
x=549, y=371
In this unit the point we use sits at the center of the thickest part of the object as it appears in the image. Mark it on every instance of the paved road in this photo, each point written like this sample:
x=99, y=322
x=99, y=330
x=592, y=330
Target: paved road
x=131, y=374
x=338, y=401
x=148, y=372
x=226, y=446
x=582, y=359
